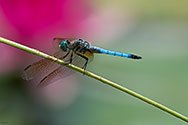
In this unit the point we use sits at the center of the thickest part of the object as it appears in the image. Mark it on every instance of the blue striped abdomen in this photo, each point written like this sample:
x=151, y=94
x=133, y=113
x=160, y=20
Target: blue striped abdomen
x=114, y=53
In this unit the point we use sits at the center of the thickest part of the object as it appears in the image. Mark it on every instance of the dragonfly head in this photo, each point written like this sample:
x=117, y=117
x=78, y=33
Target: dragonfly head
x=64, y=45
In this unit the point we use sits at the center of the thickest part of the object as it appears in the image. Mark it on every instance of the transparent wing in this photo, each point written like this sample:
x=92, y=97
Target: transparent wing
x=55, y=75
x=41, y=68
x=62, y=71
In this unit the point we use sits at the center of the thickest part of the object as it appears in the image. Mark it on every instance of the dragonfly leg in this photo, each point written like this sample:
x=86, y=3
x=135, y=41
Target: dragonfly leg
x=85, y=65
x=70, y=61
x=62, y=58
x=66, y=55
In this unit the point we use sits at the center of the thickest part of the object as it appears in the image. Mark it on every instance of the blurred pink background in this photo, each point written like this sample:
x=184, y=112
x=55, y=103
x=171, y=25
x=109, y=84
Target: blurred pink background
x=36, y=22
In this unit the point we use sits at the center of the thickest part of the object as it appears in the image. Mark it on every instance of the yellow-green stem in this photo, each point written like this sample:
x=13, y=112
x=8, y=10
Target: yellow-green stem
x=108, y=82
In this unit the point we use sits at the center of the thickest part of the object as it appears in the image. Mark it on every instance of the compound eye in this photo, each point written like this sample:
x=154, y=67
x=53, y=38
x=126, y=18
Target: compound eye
x=63, y=45
x=80, y=40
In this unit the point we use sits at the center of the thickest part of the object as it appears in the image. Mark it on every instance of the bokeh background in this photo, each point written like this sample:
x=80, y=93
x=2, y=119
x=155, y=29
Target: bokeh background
x=154, y=29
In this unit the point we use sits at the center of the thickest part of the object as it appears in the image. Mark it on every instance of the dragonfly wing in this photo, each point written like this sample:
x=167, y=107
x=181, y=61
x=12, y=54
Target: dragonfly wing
x=57, y=74
x=37, y=69
x=62, y=71
x=41, y=68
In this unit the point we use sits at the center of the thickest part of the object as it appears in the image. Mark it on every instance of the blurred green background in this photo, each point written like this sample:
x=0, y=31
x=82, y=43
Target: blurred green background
x=159, y=33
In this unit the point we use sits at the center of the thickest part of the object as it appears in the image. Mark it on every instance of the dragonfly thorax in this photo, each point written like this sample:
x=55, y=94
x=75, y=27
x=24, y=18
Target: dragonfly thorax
x=80, y=46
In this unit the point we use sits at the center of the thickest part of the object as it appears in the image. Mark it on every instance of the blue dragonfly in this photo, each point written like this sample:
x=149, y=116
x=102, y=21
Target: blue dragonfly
x=71, y=50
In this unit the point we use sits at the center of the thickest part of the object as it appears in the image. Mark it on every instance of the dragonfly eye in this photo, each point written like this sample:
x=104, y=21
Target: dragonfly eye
x=80, y=40
x=63, y=45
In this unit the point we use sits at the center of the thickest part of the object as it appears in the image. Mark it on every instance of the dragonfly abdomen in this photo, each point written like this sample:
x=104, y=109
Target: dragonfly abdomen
x=114, y=53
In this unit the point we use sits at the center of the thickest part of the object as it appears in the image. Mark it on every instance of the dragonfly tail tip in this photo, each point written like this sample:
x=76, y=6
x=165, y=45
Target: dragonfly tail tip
x=135, y=57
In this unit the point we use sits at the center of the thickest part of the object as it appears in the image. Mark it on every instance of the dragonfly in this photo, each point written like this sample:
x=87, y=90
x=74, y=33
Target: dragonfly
x=75, y=51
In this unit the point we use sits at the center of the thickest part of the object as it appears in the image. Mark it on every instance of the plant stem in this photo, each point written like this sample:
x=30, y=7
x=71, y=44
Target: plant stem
x=113, y=84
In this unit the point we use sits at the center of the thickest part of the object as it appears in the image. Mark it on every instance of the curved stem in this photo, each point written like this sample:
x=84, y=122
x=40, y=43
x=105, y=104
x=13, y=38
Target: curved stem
x=108, y=82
